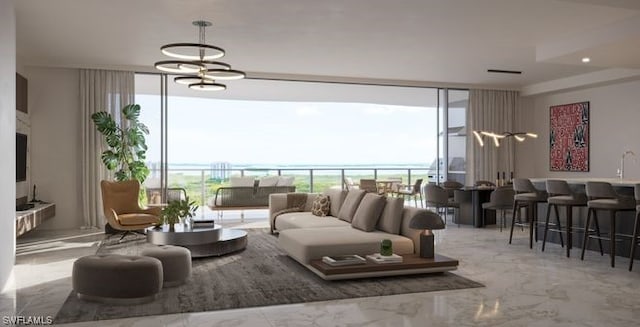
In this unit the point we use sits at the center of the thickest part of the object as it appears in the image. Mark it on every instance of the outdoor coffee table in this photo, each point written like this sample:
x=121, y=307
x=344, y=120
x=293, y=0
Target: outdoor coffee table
x=411, y=264
x=202, y=241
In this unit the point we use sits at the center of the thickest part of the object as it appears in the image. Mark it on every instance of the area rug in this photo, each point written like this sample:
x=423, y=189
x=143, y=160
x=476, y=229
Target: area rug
x=261, y=275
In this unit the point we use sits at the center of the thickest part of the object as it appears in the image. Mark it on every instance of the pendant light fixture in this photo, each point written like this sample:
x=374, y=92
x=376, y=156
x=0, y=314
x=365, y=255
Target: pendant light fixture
x=519, y=136
x=194, y=62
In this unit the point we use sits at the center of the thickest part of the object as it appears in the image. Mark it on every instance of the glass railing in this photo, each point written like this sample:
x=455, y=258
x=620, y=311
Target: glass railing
x=201, y=184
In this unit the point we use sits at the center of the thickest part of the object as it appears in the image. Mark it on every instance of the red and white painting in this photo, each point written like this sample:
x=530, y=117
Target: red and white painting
x=569, y=137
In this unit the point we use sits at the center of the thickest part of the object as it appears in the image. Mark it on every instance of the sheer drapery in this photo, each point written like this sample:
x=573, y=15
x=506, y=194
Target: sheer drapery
x=492, y=111
x=100, y=90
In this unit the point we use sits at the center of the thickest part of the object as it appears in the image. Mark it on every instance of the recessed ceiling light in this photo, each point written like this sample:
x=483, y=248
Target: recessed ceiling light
x=586, y=59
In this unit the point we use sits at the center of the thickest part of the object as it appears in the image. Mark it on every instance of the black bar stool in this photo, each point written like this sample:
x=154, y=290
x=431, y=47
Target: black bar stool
x=602, y=196
x=527, y=196
x=634, y=239
x=560, y=194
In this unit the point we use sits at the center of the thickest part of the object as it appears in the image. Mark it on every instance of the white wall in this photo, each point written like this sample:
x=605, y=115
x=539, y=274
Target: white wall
x=614, y=128
x=7, y=139
x=54, y=109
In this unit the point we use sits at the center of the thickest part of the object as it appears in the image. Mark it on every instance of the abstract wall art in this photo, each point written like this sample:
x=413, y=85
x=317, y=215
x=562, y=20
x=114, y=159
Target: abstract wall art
x=569, y=137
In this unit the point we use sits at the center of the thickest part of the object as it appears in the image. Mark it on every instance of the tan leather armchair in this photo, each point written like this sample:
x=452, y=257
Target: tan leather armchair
x=121, y=207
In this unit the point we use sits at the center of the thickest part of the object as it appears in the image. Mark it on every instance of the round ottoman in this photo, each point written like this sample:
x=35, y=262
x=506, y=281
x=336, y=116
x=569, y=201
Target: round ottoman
x=176, y=263
x=117, y=279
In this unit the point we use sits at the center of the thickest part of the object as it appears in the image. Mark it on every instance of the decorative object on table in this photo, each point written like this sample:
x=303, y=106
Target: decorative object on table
x=343, y=260
x=126, y=144
x=427, y=221
x=381, y=258
x=196, y=63
x=178, y=211
x=386, y=247
x=519, y=136
x=569, y=137
x=202, y=223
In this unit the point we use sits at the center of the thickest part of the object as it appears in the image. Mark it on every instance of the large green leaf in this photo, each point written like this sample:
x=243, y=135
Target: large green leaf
x=131, y=112
x=110, y=159
x=105, y=123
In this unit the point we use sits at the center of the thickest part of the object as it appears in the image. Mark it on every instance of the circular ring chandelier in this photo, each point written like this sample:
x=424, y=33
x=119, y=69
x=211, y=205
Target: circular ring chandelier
x=195, y=64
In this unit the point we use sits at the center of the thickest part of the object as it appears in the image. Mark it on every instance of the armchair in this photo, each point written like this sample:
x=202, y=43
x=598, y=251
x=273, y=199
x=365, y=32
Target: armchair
x=121, y=208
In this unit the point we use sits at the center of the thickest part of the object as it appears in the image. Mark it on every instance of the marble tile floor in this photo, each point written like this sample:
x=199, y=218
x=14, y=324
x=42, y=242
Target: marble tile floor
x=523, y=288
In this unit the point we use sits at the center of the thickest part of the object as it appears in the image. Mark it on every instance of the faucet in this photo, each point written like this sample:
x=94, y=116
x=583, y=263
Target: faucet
x=621, y=169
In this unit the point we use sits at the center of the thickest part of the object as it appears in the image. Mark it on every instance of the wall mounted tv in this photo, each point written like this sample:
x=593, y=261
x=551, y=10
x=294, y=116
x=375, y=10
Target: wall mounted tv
x=21, y=157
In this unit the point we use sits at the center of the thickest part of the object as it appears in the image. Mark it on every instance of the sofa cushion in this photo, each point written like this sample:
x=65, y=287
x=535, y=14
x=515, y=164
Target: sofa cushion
x=308, y=244
x=268, y=181
x=391, y=217
x=236, y=181
x=336, y=195
x=350, y=204
x=321, y=205
x=285, y=181
x=368, y=212
x=296, y=220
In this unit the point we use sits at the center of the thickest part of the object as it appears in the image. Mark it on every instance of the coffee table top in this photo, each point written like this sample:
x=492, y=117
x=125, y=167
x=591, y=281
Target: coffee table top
x=409, y=262
x=184, y=235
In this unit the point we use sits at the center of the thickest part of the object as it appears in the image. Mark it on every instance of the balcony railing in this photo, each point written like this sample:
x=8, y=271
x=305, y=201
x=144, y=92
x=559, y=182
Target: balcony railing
x=202, y=184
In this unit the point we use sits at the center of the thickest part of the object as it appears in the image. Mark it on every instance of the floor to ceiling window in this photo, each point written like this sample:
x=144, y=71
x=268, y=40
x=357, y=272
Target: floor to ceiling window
x=316, y=132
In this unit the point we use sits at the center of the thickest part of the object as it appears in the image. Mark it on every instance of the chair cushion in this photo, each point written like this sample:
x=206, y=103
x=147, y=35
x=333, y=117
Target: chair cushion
x=268, y=181
x=308, y=244
x=285, y=181
x=350, y=204
x=391, y=217
x=368, y=212
x=321, y=205
x=131, y=219
x=532, y=197
x=622, y=203
x=242, y=181
x=576, y=199
x=295, y=220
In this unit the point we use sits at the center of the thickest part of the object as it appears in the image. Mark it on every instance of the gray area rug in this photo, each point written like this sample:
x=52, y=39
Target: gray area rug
x=261, y=275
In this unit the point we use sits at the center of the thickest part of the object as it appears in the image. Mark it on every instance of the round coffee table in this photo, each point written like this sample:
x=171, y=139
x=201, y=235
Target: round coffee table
x=201, y=241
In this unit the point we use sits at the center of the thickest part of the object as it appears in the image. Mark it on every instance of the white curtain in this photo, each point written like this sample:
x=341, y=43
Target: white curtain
x=492, y=111
x=100, y=90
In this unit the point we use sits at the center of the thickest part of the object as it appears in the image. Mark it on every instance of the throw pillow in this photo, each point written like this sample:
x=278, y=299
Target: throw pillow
x=237, y=181
x=321, y=205
x=350, y=204
x=368, y=212
x=268, y=181
x=391, y=217
x=337, y=196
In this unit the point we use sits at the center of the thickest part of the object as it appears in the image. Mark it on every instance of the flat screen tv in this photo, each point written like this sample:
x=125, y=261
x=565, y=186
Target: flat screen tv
x=21, y=157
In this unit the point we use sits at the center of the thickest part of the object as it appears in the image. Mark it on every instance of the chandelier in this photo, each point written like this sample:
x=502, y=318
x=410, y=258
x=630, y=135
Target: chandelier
x=195, y=63
x=519, y=136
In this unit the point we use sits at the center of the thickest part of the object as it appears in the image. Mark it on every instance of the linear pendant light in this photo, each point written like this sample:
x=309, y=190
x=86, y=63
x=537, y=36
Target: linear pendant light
x=519, y=136
x=194, y=63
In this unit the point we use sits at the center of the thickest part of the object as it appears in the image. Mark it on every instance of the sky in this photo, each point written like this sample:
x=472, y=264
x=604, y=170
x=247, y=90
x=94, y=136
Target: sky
x=205, y=130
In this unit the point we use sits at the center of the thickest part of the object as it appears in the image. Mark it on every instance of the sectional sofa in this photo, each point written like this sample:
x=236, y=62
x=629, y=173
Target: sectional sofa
x=356, y=224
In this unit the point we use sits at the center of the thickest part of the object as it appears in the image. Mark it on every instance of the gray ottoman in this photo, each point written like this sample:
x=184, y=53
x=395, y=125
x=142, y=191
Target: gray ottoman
x=117, y=279
x=176, y=263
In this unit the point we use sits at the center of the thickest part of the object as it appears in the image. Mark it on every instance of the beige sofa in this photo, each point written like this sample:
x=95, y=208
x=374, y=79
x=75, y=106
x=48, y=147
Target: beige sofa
x=306, y=237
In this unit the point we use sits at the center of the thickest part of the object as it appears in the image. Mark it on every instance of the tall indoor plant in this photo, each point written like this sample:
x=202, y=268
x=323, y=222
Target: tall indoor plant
x=126, y=143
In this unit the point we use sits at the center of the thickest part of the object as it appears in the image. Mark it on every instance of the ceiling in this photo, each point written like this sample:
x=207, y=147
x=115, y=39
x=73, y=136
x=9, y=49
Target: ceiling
x=428, y=41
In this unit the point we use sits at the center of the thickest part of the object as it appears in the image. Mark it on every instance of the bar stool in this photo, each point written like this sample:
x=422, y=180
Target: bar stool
x=602, y=196
x=560, y=194
x=501, y=199
x=527, y=196
x=634, y=239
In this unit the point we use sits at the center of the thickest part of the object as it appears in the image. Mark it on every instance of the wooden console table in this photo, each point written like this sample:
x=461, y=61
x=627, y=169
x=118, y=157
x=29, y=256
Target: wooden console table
x=30, y=219
x=412, y=264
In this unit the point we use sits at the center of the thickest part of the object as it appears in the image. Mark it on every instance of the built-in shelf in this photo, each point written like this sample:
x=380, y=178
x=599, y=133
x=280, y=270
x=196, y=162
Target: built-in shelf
x=32, y=218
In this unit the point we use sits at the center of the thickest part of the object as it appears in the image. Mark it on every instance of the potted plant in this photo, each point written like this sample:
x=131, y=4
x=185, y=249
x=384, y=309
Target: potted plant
x=126, y=144
x=177, y=211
